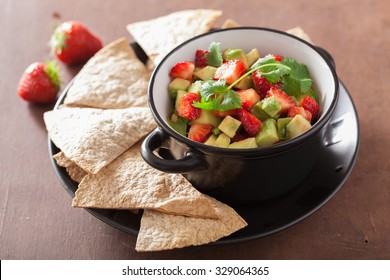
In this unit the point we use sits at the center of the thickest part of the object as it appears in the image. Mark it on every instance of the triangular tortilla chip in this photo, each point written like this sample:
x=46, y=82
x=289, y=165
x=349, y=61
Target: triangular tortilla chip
x=129, y=182
x=298, y=31
x=160, y=231
x=75, y=172
x=92, y=138
x=160, y=35
x=113, y=78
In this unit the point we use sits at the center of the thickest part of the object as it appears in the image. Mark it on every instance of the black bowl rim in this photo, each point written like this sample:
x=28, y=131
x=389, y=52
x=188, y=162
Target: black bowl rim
x=276, y=148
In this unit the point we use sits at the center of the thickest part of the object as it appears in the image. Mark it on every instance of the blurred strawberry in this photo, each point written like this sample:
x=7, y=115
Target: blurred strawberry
x=40, y=83
x=262, y=85
x=296, y=110
x=73, y=43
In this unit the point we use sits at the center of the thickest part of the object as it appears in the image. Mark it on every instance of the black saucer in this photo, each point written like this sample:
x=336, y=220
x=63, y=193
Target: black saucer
x=338, y=156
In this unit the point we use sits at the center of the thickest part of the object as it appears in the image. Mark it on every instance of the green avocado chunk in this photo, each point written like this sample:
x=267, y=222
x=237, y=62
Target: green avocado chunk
x=271, y=106
x=176, y=85
x=252, y=56
x=222, y=141
x=236, y=54
x=282, y=131
x=205, y=73
x=258, y=111
x=297, y=126
x=244, y=144
x=229, y=126
x=207, y=117
x=268, y=134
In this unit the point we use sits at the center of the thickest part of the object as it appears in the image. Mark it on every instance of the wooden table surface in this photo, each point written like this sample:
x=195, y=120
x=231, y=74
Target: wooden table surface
x=36, y=217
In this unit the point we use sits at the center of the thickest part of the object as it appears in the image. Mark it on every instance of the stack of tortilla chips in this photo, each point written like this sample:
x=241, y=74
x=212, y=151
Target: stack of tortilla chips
x=99, y=130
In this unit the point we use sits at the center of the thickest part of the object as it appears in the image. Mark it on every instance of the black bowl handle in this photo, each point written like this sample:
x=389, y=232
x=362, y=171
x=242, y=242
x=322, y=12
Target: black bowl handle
x=327, y=55
x=192, y=161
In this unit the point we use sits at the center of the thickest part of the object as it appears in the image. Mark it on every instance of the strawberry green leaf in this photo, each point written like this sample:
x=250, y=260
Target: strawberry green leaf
x=52, y=70
x=214, y=58
x=57, y=40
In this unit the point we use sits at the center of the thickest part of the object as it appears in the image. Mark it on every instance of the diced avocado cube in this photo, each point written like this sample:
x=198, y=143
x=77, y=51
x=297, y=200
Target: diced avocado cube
x=297, y=126
x=271, y=106
x=195, y=86
x=211, y=140
x=252, y=56
x=179, y=124
x=281, y=125
x=268, y=134
x=207, y=117
x=258, y=111
x=179, y=95
x=245, y=83
x=222, y=141
x=205, y=73
x=229, y=126
x=177, y=84
x=244, y=144
x=236, y=54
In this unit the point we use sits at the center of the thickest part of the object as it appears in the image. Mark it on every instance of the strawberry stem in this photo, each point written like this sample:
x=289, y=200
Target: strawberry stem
x=52, y=70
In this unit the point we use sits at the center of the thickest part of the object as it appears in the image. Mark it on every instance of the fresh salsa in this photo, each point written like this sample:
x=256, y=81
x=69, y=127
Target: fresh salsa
x=233, y=99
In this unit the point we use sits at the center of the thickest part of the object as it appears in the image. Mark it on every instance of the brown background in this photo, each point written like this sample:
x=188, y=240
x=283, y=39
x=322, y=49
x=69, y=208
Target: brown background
x=36, y=218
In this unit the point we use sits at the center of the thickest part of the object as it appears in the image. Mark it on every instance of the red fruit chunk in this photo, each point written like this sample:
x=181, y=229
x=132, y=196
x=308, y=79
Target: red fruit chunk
x=186, y=109
x=261, y=84
x=293, y=111
x=200, y=58
x=249, y=122
x=240, y=135
x=230, y=71
x=249, y=98
x=223, y=114
x=278, y=57
x=311, y=105
x=200, y=132
x=73, y=43
x=283, y=98
x=183, y=70
x=39, y=83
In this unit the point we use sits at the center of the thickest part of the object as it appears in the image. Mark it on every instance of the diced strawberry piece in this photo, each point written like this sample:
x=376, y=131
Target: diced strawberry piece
x=240, y=135
x=230, y=71
x=249, y=98
x=200, y=132
x=223, y=114
x=184, y=70
x=249, y=122
x=283, y=98
x=200, y=58
x=296, y=110
x=186, y=109
x=311, y=105
x=278, y=57
x=262, y=85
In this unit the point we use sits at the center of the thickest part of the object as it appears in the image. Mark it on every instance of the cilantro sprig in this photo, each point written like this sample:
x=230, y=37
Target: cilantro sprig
x=217, y=95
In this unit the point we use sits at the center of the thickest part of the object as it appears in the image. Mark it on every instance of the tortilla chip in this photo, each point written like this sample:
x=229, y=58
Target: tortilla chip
x=298, y=31
x=75, y=172
x=161, y=231
x=92, y=138
x=113, y=78
x=229, y=23
x=129, y=182
x=160, y=35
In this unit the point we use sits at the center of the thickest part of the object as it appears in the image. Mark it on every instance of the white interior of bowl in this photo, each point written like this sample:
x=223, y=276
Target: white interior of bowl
x=266, y=42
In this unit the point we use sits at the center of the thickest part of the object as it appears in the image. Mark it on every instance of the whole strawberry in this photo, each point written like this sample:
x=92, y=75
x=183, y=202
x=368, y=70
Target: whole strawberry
x=40, y=83
x=73, y=43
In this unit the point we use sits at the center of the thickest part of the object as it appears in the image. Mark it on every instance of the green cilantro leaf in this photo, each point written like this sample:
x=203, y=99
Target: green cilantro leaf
x=272, y=70
x=214, y=58
x=299, y=78
x=217, y=96
x=180, y=125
